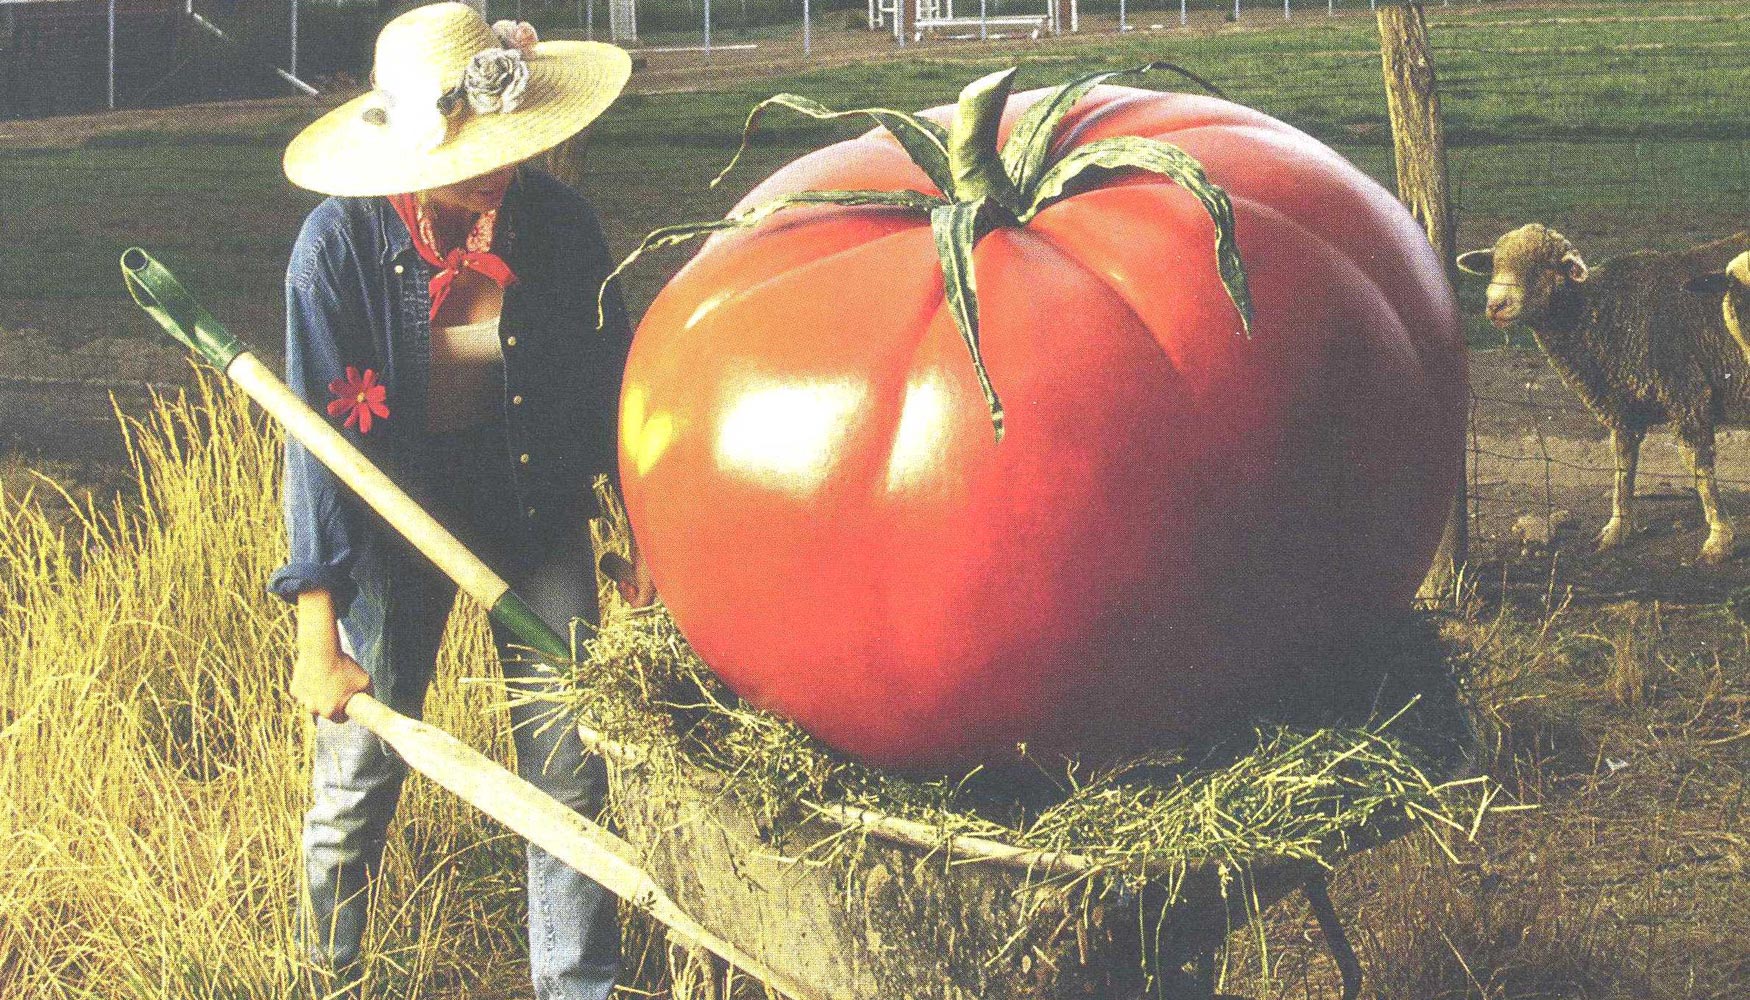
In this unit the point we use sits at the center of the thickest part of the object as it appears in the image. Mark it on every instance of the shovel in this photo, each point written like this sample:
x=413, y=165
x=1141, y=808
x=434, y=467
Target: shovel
x=477, y=779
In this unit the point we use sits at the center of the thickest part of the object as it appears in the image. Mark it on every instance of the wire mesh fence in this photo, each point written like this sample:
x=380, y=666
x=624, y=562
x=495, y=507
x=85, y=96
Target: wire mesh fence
x=1621, y=126
x=56, y=55
x=1537, y=462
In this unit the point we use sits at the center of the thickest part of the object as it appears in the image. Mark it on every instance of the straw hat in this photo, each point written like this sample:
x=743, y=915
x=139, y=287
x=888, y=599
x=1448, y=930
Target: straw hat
x=454, y=98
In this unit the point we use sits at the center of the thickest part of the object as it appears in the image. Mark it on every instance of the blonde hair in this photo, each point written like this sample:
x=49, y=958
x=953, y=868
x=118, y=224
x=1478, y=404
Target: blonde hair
x=423, y=197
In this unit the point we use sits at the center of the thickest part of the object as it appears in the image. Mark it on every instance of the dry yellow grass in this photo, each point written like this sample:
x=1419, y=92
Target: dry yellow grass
x=152, y=770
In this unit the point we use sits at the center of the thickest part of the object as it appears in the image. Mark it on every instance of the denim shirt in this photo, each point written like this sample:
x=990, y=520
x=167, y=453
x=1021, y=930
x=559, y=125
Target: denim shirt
x=357, y=294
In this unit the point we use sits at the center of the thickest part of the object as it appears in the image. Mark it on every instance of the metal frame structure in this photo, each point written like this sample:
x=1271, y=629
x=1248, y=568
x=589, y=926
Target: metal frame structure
x=114, y=16
x=915, y=18
x=290, y=76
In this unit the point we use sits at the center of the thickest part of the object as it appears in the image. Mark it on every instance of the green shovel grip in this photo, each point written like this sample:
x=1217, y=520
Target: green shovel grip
x=158, y=292
x=521, y=621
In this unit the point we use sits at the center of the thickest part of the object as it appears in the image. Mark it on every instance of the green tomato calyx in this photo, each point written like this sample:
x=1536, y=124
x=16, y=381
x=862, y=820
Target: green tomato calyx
x=979, y=188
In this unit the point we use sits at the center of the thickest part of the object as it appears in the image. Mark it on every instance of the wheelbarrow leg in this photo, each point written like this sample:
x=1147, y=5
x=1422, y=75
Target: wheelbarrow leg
x=1318, y=896
x=1198, y=981
x=1194, y=983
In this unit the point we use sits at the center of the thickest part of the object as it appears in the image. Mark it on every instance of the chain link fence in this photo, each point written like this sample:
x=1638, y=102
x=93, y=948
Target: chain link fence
x=56, y=55
x=1624, y=128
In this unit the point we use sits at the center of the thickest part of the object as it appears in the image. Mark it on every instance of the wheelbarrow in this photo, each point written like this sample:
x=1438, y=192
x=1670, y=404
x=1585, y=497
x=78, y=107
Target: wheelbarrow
x=919, y=916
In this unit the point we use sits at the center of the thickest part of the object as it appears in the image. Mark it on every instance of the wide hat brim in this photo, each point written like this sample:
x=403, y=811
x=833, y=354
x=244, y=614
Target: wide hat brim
x=570, y=85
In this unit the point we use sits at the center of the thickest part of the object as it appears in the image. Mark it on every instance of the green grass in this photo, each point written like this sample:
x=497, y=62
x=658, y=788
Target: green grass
x=1624, y=133
x=1321, y=74
x=219, y=206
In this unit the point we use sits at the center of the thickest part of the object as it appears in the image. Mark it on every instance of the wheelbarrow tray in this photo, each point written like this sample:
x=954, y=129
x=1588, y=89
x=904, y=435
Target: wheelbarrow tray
x=907, y=920
x=906, y=911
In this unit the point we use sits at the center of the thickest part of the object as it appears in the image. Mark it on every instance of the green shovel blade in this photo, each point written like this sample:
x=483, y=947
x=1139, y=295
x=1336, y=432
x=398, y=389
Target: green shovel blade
x=158, y=292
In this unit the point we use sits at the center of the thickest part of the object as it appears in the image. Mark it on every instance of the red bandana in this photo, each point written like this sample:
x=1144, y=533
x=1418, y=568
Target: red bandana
x=475, y=254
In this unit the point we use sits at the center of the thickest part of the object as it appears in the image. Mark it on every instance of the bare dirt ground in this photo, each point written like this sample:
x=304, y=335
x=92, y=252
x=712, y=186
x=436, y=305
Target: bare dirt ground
x=229, y=117
x=1540, y=473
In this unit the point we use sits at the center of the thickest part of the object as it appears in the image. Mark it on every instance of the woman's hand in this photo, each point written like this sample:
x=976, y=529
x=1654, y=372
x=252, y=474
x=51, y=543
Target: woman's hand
x=631, y=578
x=641, y=593
x=324, y=679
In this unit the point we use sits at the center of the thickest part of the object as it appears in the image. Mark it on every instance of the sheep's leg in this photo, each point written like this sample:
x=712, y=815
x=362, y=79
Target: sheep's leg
x=1698, y=445
x=1627, y=445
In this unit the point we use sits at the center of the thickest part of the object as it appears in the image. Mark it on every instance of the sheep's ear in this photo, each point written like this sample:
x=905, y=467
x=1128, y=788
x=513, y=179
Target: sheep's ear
x=1576, y=265
x=1715, y=284
x=1477, y=262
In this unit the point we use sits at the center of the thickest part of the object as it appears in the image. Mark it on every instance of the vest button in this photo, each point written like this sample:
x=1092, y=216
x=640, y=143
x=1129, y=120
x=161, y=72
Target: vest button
x=530, y=512
x=516, y=400
x=399, y=269
x=510, y=341
x=523, y=458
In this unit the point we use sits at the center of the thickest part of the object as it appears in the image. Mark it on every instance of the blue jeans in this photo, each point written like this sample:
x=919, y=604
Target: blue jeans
x=392, y=628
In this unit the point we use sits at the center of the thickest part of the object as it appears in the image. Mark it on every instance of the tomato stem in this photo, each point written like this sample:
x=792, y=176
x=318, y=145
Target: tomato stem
x=974, y=165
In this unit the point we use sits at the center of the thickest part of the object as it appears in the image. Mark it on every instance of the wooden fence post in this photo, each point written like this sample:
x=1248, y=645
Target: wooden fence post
x=1418, y=138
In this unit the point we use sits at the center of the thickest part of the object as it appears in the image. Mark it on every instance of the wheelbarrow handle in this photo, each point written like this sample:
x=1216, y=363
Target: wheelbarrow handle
x=164, y=298
x=559, y=829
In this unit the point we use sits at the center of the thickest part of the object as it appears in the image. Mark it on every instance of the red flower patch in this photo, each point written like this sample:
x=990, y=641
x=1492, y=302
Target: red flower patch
x=359, y=398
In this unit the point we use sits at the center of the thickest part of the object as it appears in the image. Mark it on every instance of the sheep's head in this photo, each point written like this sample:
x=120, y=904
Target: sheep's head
x=1732, y=287
x=1526, y=269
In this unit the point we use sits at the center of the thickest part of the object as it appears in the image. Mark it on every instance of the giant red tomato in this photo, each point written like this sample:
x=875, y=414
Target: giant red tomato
x=1179, y=524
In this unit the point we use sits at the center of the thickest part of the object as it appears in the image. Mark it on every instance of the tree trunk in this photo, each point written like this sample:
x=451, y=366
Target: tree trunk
x=1418, y=137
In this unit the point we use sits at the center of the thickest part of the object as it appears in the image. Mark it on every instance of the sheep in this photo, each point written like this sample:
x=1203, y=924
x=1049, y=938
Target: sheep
x=1634, y=346
x=1732, y=287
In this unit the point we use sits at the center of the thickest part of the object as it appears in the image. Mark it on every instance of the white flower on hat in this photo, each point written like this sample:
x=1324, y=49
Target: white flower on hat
x=495, y=80
x=417, y=125
x=515, y=34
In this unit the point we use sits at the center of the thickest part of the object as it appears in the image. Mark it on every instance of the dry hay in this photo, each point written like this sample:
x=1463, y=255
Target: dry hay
x=1390, y=754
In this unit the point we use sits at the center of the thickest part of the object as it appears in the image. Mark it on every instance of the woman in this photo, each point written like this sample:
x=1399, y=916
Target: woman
x=441, y=307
